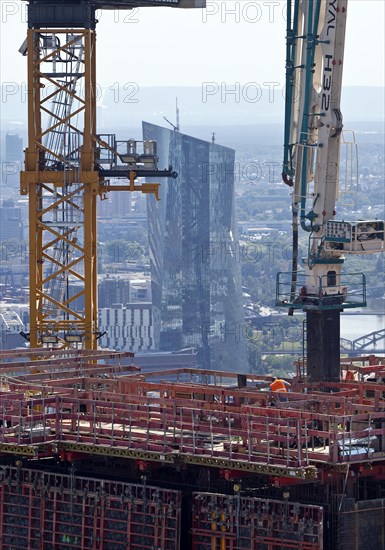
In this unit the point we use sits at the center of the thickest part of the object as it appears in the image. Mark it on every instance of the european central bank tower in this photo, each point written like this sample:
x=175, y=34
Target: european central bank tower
x=194, y=252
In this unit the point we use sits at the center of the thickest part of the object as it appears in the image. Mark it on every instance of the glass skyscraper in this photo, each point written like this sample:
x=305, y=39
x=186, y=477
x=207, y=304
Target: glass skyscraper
x=194, y=252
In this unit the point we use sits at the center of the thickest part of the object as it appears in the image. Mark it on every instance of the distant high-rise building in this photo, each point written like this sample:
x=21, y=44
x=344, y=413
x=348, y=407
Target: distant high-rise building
x=194, y=252
x=128, y=327
x=113, y=290
x=123, y=288
x=13, y=148
x=11, y=223
x=10, y=173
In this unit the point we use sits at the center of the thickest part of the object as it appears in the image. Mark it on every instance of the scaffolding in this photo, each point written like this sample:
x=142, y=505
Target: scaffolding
x=198, y=417
x=73, y=407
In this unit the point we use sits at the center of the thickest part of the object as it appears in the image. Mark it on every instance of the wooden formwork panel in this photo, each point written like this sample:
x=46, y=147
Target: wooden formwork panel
x=223, y=522
x=50, y=511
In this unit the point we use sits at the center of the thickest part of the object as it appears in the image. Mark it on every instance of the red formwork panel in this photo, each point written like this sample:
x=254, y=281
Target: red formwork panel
x=50, y=511
x=223, y=522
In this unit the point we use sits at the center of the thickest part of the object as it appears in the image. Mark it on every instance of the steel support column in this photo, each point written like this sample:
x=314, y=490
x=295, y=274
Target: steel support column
x=323, y=345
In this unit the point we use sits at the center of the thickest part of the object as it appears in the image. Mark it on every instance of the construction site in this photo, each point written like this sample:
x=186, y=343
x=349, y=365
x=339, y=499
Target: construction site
x=98, y=454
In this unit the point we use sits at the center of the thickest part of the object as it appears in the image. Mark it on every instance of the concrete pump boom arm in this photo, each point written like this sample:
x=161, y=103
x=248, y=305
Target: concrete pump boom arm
x=316, y=37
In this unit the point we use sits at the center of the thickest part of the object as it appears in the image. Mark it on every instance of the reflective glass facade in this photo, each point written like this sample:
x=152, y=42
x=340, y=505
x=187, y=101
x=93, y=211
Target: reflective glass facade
x=194, y=251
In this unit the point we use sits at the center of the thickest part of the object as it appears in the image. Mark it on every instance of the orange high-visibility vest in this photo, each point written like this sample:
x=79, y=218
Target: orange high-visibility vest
x=278, y=385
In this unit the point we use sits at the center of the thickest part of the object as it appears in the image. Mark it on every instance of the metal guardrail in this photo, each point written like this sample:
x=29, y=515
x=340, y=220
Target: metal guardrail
x=267, y=430
x=348, y=291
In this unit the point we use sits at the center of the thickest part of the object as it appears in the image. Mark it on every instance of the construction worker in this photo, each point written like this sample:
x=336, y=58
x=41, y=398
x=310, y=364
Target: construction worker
x=279, y=385
x=349, y=375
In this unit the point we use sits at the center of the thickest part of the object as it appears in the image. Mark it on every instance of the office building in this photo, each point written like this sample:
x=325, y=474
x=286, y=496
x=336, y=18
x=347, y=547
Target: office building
x=194, y=252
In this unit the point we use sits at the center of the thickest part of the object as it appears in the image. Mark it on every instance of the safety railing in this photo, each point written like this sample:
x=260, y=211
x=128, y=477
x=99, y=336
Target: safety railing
x=344, y=291
x=279, y=434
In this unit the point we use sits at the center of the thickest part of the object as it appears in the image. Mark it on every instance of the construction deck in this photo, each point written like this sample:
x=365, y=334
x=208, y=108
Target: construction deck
x=99, y=408
x=58, y=405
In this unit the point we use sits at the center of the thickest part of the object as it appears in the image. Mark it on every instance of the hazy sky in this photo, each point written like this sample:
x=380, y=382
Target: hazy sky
x=164, y=46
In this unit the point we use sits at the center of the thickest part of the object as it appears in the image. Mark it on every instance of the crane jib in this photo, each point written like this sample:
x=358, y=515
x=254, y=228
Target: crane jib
x=70, y=13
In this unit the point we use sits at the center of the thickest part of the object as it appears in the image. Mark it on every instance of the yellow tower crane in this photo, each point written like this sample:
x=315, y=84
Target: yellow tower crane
x=68, y=166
